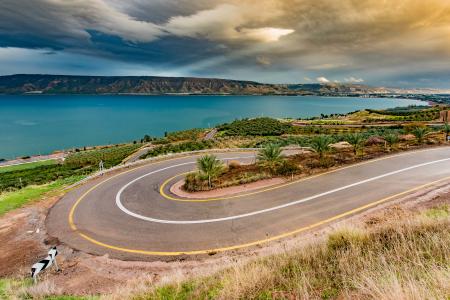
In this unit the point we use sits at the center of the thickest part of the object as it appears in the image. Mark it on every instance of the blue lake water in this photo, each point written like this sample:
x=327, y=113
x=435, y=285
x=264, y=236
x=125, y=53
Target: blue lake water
x=40, y=124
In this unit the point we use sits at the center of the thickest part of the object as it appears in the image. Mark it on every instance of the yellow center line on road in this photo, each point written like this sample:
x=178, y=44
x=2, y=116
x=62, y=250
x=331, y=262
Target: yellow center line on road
x=172, y=198
x=78, y=201
x=234, y=247
x=258, y=242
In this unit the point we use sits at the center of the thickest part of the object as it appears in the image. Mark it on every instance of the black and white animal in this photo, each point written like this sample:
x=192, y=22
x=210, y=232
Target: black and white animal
x=44, y=264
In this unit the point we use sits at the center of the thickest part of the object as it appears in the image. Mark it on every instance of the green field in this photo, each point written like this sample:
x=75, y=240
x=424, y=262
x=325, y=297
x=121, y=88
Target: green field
x=26, y=166
x=78, y=163
x=17, y=199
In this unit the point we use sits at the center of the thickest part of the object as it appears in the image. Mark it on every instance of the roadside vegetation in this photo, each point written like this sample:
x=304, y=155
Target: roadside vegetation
x=209, y=168
x=254, y=127
x=402, y=258
x=16, y=180
x=391, y=141
x=357, y=141
x=27, y=166
x=76, y=164
x=399, y=114
x=25, y=183
x=24, y=289
x=411, y=113
x=258, y=132
x=446, y=130
x=190, y=134
x=321, y=144
x=111, y=156
x=316, y=153
x=270, y=158
x=419, y=133
x=16, y=199
x=179, y=147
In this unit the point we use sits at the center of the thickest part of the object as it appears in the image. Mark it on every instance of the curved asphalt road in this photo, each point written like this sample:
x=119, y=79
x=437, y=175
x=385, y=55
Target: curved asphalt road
x=127, y=216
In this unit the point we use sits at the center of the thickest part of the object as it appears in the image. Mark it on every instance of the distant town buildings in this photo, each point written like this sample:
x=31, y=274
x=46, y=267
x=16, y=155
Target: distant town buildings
x=445, y=116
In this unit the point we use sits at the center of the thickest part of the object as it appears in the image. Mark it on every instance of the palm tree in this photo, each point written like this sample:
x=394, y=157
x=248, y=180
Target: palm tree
x=321, y=144
x=446, y=130
x=419, y=133
x=391, y=139
x=357, y=140
x=210, y=167
x=270, y=157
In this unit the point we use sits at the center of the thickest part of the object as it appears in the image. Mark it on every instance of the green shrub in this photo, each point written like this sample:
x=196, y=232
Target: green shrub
x=419, y=133
x=194, y=183
x=442, y=211
x=190, y=134
x=270, y=157
x=209, y=167
x=180, y=147
x=76, y=164
x=321, y=144
x=346, y=238
x=16, y=180
x=255, y=127
x=410, y=113
x=110, y=156
x=287, y=167
x=357, y=140
x=391, y=139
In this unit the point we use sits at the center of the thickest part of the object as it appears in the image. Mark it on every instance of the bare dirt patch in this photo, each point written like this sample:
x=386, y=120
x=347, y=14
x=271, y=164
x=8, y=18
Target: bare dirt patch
x=23, y=238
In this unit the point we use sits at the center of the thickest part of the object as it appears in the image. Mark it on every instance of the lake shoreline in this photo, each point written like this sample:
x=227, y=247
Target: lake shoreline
x=38, y=124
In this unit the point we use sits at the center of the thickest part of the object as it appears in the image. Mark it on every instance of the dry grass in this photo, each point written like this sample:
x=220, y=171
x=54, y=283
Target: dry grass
x=41, y=290
x=401, y=259
x=23, y=288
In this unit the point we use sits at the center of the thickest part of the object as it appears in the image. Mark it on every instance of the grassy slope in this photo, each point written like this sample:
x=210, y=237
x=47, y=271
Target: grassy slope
x=400, y=259
x=23, y=289
x=47, y=176
x=17, y=199
x=27, y=166
x=407, y=259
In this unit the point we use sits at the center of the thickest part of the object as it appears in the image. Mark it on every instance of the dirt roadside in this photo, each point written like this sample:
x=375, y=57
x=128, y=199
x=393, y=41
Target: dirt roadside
x=23, y=240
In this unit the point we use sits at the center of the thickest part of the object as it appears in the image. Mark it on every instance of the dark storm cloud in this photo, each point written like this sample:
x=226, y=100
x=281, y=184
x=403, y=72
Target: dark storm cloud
x=269, y=40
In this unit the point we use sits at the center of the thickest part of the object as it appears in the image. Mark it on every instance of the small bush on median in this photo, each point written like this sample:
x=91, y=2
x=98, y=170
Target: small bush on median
x=193, y=183
x=288, y=168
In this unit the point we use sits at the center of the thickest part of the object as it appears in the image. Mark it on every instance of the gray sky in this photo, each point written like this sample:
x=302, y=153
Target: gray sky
x=403, y=43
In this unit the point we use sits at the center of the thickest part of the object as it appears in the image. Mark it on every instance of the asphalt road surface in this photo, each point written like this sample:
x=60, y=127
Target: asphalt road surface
x=129, y=216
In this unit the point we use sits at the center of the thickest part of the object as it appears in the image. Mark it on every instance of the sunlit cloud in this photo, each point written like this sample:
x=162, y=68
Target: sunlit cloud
x=267, y=34
x=353, y=79
x=322, y=79
x=370, y=41
x=326, y=66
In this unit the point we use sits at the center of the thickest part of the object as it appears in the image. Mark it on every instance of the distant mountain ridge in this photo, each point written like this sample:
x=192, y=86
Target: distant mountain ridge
x=72, y=84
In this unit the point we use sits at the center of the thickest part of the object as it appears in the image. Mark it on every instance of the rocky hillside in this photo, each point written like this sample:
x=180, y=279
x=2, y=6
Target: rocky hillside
x=64, y=84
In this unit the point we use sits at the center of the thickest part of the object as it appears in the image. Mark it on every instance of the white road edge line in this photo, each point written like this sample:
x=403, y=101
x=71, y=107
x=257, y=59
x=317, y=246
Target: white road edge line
x=128, y=212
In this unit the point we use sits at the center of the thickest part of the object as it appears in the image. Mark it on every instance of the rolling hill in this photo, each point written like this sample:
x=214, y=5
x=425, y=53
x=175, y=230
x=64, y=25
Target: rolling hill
x=66, y=84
